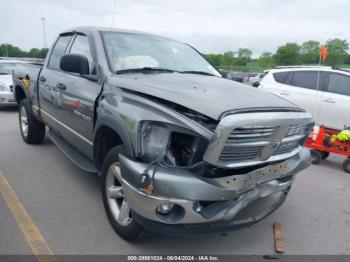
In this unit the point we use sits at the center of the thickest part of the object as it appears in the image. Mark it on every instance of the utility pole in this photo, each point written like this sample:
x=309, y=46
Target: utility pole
x=113, y=15
x=44, y=31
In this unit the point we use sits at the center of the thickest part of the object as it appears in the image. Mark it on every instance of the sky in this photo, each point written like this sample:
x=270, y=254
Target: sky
x=212, y=26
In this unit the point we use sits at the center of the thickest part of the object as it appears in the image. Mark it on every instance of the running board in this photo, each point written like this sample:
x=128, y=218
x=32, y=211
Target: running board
x=78, y=158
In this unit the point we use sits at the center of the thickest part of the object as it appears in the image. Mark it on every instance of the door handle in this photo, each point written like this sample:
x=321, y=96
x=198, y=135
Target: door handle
x=284, y=93
x=329, y=100
x=61, y=86
x=42, y=79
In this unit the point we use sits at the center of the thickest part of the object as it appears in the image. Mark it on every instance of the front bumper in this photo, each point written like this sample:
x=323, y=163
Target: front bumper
x=206, y=205
x=7, y=98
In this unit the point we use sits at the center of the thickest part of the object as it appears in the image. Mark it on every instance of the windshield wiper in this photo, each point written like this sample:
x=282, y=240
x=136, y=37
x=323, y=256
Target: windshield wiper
x=197, y=72
x=144, y=69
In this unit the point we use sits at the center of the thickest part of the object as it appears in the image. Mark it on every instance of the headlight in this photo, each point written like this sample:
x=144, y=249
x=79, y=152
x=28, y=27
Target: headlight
x=173, y=145
x=154, y=139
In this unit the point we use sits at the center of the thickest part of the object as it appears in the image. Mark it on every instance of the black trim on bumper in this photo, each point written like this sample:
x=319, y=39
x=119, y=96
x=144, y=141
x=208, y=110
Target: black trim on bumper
x=206, y=228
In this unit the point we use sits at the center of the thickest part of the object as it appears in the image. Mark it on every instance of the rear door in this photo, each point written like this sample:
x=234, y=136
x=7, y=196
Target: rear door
x=302, y=88
x=76, y=97
x=49, y=76
x=335, y=102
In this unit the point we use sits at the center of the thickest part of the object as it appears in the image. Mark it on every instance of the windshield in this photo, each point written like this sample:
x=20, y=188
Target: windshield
x=6, y=68
x=132, y=51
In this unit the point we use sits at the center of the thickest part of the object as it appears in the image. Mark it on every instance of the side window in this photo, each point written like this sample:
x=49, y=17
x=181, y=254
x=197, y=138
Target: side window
x=305, y=79
x=81, y=46
x=339, y=84
x=281, y=77
x=58, y=52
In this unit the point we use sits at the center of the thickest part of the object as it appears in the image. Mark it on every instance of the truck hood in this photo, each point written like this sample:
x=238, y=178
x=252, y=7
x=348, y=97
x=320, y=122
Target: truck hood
x=209, y=95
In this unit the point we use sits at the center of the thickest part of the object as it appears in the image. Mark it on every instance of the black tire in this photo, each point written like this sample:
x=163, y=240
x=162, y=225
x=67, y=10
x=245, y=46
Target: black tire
x=133, y=230
x=346, y=165
x=316, y=157
x=35, y=133
x=324, y=155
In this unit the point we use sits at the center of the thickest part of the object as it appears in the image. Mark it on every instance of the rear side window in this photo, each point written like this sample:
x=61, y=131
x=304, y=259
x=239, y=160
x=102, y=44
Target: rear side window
x=281, y=77
x=58, y=52
x=339, y=84
x=305, y=79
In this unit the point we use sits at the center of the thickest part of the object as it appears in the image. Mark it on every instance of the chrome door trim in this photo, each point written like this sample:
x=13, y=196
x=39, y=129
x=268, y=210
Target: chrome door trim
x=65, y=126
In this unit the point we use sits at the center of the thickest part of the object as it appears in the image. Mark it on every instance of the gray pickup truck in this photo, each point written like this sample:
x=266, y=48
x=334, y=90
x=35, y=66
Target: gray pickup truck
x=180, y=150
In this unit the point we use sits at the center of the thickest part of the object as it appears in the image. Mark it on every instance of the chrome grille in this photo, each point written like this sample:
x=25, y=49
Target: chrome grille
x=248, y=139
x=286, y=148
x=296, y=130
x=250, y=135
x=236, y=153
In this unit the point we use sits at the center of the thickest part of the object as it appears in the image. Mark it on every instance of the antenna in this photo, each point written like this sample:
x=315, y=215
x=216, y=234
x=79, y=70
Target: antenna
x=113, y=15
x=44, y=31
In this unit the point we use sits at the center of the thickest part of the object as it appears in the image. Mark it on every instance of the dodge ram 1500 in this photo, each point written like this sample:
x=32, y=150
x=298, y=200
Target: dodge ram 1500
x=180, y=150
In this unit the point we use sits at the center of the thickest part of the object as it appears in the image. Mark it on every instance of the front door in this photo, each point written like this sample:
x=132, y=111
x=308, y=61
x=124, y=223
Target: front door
x=48, y=79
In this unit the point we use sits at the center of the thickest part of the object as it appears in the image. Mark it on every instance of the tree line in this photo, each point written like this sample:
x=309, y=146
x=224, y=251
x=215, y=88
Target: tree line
x=287, y=54
x=14, y=51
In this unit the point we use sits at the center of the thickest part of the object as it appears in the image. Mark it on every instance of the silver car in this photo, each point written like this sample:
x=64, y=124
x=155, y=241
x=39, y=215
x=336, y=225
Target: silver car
x=6, y=82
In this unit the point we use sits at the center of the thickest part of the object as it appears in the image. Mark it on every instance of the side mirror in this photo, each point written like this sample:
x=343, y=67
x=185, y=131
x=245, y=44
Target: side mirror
x=75, y=63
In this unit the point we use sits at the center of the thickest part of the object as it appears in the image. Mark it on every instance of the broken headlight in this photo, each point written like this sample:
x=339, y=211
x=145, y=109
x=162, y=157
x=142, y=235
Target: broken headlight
x=169, y=144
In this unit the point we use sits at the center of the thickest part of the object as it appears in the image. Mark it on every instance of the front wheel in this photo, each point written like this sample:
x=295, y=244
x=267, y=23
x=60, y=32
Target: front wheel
x=32, y=131
x=116, y=206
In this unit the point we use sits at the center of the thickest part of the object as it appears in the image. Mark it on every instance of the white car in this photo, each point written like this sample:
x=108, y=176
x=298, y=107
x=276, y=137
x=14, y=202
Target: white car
x=322, y=91
x=6, y=82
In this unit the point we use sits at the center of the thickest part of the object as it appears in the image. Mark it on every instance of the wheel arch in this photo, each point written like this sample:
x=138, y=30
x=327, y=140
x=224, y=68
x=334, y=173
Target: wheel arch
x=20, y=92
x=109, y=133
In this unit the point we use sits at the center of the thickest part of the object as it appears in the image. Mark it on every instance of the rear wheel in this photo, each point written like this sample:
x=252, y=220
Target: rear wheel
x=346, y=165
x=32, y=131
x=116, y=206
x=316, y=157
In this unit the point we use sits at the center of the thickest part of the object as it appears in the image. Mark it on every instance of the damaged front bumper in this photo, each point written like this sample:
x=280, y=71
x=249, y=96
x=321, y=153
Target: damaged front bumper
x=206, y=205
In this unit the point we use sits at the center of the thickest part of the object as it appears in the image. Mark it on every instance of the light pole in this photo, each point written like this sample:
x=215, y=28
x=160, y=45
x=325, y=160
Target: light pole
x=44, y=31
x=113, y=15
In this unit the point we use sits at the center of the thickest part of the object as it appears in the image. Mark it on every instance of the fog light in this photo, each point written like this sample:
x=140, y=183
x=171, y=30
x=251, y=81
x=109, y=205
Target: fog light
x=165, y=208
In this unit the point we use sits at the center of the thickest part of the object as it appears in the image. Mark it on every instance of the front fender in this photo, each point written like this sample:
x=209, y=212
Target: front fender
x=116, y=124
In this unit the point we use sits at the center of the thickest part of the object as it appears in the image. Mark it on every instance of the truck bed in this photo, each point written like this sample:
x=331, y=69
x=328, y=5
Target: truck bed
x=23, y=72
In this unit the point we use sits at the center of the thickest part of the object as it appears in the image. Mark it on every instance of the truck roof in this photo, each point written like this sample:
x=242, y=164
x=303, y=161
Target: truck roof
x=94, y=29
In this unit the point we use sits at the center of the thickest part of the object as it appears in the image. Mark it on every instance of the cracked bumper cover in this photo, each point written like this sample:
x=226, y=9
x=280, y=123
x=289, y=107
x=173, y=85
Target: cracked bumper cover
x=227, y=196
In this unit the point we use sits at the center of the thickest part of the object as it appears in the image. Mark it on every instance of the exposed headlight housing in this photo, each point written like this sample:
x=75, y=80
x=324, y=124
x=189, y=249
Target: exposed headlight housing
x=172, y=145
x=154, y=138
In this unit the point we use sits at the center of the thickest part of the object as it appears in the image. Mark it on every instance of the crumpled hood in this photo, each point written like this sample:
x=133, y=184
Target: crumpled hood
x=208, y=95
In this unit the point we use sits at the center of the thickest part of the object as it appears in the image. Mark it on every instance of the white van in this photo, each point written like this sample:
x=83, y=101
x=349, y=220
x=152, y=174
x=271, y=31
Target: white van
x=321, y=91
